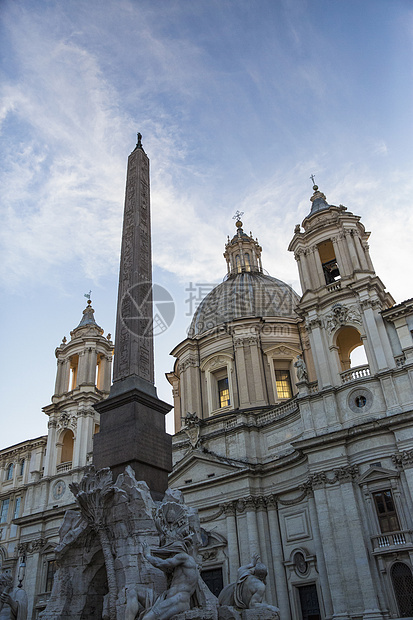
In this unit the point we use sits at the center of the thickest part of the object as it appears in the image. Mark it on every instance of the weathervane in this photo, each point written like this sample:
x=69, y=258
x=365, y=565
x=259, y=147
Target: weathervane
x=87, y=295
x=238, y=215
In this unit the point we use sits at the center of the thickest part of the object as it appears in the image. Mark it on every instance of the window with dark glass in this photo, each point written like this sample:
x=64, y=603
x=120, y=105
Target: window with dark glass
x=4, y=510
x=22, y=463
x=386, y=511
x=17, y=503
x=9, y=472
x=223, y=392
x=283, y=383
x=51, y=569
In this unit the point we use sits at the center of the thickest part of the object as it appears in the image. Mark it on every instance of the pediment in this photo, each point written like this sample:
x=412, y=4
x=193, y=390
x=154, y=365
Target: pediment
x=198, y=466
x=376, y=473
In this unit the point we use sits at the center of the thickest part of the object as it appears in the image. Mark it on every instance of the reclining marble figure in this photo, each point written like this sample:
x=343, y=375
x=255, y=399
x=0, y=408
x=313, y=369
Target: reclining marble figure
x=248, y=591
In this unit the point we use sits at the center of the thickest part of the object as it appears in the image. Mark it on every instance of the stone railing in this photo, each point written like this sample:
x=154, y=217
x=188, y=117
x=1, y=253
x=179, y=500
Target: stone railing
x=334, y=286
x=358, y=372
x=64, y=467
x=400, y=360
x=392, y=540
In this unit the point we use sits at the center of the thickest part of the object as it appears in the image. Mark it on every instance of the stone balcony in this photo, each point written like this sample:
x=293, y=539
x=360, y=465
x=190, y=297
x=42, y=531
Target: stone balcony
x=392, y=541
x=352, y=374
x=64, y=467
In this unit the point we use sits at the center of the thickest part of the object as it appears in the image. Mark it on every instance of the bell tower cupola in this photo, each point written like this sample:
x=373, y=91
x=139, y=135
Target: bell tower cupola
x=83, y=378
x=342, y=296
x=242, y=252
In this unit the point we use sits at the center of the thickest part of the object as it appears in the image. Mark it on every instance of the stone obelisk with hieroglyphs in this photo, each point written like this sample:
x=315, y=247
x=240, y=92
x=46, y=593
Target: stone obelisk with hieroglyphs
x=132, y=428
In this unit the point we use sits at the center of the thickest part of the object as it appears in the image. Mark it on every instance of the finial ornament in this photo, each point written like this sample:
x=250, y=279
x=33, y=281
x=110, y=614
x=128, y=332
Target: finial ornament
x=237, y=217
x=312, y=177
x=139, y=142
x=87, y=295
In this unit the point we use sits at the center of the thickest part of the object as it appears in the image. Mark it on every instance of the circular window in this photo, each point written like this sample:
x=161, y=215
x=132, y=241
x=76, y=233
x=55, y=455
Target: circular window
x=360, y=400
x=300, y=563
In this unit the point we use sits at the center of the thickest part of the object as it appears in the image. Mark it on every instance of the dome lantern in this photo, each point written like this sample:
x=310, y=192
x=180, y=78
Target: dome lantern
x=242, y=252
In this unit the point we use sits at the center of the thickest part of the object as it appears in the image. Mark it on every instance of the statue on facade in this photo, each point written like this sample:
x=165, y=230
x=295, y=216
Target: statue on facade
x=301, y=369
x=248, y=591
x=13, y=601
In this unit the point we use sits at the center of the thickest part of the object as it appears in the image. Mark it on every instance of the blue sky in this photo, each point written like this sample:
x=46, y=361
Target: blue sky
x=238, y=103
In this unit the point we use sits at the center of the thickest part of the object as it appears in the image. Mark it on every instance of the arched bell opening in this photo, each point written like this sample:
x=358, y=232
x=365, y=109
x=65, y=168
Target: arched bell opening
x=65, y=446
x=350, y=348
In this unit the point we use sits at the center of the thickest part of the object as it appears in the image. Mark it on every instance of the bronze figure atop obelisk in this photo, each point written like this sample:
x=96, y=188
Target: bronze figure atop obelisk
x=132, y=429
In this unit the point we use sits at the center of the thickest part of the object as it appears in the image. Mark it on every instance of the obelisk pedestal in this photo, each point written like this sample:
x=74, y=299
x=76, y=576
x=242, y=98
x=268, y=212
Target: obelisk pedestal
x=132, y=424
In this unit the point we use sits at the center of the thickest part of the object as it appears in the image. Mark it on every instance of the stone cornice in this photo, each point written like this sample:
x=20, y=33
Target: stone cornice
x=322, y=479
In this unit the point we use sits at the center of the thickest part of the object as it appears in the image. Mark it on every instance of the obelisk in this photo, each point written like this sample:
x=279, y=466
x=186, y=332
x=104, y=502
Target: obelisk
x=132, y=418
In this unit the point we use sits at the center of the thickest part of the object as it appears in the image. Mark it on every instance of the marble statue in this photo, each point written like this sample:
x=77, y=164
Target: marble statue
x=177, y=597
x=248, y=591
x=301, y=369
x=139, y=556
x=13, y=601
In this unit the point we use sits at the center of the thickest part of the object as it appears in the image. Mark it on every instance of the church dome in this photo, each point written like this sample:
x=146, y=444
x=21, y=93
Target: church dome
x=242, y=295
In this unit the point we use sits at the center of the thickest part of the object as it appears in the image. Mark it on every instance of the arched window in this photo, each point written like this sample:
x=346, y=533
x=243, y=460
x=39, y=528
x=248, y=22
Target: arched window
x=402, y=581
x=247, y=261
x=238, y=263
x=22, y=464
x=67, y=447
x=350, y=348
x=9, y=472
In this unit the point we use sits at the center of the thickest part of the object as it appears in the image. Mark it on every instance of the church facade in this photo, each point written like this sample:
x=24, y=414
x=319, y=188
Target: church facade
x=290, y=446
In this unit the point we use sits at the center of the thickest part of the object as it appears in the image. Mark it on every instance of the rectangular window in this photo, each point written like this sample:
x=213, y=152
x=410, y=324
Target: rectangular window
x=51, y=569
x=386, y=512
x=223, y=392
x=4, y=510
x=283, y=383
x=17, y=507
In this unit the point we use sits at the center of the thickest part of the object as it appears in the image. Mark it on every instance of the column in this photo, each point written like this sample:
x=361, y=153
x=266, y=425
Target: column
x=241, y=373
x=258, y=373
x=373, y=332
x=356, y=536
x=318, y=266
x=321, y=564
x=283, y=601
x=328, y=535
x=351, y=248
x=59, y=377
x=82, y=369
x=49, y=465
x=253, y=538
x=232, y=538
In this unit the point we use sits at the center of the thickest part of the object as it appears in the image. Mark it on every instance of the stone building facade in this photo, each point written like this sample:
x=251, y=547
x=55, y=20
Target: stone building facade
x=35, y=474
x=288, y=444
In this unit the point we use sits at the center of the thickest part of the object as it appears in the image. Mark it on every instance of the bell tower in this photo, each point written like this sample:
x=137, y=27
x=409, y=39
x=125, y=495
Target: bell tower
x=83, y=378
x=342, y=296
